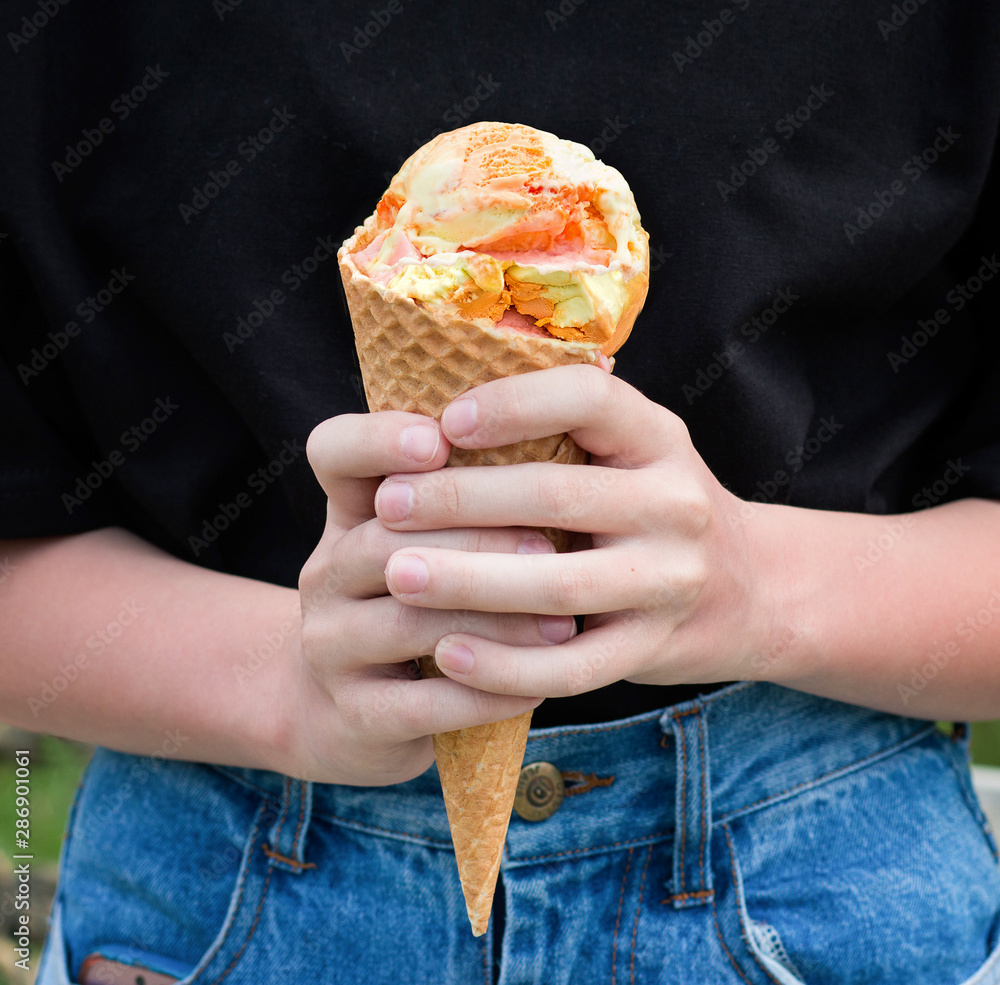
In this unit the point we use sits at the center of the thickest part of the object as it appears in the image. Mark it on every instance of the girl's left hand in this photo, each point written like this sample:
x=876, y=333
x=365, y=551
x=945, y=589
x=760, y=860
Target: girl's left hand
x=665, y=575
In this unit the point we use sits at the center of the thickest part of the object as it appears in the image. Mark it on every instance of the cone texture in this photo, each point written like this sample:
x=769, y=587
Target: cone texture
x=412, y=362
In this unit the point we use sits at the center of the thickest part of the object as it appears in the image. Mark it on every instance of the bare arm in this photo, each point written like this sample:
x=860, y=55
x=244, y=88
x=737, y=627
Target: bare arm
x=109, y=640
x=898, y=612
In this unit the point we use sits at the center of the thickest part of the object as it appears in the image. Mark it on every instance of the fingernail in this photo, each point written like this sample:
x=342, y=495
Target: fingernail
x=557, y=629
x=536, y=545
x=420, y=442
x=407, y=574
x=459, y=417
x=456, y=658
x=393, y=501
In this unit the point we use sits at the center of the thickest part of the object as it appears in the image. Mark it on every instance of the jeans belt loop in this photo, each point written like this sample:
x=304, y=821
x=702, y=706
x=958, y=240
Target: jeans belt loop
x=692, y=881
x=287, y=836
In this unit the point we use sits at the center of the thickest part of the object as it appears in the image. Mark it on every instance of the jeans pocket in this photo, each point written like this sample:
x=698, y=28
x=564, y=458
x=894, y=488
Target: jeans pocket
x=880, y=876
x=161, y=857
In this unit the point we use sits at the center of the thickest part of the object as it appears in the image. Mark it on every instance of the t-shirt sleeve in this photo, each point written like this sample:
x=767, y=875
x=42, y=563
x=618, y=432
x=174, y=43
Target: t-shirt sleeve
x=41, y=464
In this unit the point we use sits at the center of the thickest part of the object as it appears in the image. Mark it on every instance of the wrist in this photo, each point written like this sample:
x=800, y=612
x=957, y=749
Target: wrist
x=782, y=629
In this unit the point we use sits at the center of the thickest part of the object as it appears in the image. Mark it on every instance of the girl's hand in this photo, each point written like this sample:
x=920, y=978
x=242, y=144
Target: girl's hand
x=357, y=713
x=668, y=582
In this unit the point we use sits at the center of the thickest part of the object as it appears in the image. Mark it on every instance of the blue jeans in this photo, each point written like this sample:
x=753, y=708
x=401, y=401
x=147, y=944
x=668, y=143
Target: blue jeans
x=757, y=835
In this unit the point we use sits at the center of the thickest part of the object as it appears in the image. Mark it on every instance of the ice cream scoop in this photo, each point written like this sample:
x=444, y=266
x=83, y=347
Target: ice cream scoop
x=502, y=224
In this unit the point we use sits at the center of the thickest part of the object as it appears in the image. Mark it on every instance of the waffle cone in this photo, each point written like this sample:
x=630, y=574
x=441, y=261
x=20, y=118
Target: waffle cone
x=413, y=362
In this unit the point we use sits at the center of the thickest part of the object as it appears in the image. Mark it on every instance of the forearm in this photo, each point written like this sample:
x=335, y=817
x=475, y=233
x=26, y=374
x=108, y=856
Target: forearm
x=111, y=641
x=899, y=612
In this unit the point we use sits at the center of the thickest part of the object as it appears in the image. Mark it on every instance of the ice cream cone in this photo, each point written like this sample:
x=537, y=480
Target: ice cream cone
x=496, y=250
x=411, y=361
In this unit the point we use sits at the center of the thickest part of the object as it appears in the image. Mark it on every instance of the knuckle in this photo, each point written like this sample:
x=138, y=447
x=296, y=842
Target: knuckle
x=694, y=506
x=595, y=388
x=567, y=587
x=508, y=678
x=370, y=541
x=559, y=496
x=690, y=579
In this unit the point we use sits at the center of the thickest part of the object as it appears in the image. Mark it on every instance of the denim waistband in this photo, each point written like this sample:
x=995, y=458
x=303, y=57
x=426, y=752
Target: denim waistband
x=667, y=774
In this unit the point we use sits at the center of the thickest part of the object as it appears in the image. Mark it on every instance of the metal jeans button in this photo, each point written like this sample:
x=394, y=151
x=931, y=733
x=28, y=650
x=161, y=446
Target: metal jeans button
x=540, y=791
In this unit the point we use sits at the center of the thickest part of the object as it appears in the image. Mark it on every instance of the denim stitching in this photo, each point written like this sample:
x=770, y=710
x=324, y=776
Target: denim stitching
x=238, y=779
x=277, y=856
x=978, y=816
x=739, y=912
x=487, y=975
x=593, y=848
x=701, y=894
x=682, y=780
x=621, y=900
x=298, y=829
x=815, y=781
x=239, y=898
x=722, y=942
x=588, y=731
x=585, y=782
x=387, y=831
x=704, y=801
x=253, y=928
x=638, y=910
x=286, y=803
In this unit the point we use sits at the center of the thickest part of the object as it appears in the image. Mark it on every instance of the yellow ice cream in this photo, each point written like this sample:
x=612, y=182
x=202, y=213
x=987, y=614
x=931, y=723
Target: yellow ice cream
x=502, y=223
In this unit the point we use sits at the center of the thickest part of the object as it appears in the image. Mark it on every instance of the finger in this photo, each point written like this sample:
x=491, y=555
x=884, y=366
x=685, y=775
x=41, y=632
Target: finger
x=603, y=580
x=593, y=659
x=402, y=710
x=384, y=630
x=356, y=564
x=570, y=497
x=350, y=453
x=604, y=415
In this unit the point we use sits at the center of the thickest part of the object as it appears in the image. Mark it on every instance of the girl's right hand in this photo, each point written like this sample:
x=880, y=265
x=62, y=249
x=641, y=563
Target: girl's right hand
x=358, y=712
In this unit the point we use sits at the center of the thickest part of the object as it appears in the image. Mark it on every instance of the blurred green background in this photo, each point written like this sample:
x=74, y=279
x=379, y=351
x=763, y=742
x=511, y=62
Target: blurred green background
x=56, y=767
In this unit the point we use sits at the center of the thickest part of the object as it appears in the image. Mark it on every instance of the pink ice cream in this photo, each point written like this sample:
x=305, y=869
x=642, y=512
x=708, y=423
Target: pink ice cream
x=500, y=223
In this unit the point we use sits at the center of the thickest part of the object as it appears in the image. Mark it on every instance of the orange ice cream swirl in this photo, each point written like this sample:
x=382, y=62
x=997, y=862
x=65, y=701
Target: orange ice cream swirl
x=501, y=224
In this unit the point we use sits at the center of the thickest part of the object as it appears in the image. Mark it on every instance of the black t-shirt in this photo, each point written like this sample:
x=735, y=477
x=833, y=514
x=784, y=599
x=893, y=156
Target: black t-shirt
x=815, y=179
